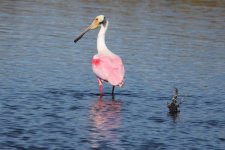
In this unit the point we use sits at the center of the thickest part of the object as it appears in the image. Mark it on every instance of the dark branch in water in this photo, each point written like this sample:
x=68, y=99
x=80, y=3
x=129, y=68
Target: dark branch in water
x=174, y=105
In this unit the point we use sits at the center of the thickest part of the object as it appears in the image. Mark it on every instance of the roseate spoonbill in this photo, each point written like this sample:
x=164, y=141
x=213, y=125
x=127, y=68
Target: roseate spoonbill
x=105, y=64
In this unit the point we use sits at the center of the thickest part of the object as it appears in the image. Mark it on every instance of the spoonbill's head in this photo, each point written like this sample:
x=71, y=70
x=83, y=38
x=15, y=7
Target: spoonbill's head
x=95, y=24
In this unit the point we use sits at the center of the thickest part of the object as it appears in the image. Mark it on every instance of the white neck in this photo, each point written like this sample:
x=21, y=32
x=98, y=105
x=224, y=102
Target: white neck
x=101, y=46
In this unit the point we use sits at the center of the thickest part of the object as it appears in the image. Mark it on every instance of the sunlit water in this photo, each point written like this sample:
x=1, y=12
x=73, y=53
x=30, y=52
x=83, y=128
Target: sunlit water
x=49, y=95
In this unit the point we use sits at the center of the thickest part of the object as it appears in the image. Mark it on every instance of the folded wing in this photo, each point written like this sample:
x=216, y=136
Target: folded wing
x=109, y=68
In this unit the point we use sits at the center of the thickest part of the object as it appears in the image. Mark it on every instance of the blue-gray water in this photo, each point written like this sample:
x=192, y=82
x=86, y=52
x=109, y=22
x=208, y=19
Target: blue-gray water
x=49, y=95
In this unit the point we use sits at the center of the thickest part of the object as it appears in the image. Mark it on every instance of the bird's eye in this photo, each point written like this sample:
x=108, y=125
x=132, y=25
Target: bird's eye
x=96, y=19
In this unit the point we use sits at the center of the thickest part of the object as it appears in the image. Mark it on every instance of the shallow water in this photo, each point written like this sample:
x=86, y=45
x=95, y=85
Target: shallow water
x=49, y=95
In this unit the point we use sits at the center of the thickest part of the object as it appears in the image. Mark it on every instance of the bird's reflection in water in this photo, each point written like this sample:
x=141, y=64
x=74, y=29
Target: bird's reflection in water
x=106, y=119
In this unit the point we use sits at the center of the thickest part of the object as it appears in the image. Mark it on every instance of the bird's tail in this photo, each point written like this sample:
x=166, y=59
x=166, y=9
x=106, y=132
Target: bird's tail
x=121, y=84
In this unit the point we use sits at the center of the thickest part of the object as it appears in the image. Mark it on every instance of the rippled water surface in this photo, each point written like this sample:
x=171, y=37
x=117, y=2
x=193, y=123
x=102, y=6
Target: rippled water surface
x=49, y=95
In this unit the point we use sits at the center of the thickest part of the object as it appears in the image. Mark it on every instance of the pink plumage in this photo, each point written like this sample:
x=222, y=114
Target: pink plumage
x=109, y=68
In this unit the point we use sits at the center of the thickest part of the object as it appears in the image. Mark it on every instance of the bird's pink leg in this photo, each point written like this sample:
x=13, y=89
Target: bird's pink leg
x=100, y=86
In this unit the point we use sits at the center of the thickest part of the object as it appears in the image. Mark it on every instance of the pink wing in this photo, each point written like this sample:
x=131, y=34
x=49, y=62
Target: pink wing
x=109, y=68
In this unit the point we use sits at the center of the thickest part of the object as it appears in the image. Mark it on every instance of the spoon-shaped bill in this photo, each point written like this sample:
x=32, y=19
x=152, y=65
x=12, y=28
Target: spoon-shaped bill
x=94, y=25
x=81, y=35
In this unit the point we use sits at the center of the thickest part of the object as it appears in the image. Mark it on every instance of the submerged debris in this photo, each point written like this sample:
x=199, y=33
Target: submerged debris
x=174, y=105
